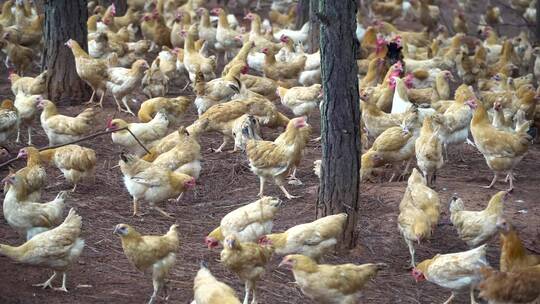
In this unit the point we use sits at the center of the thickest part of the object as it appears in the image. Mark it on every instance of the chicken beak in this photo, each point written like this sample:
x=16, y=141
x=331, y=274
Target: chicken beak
x=115, y=230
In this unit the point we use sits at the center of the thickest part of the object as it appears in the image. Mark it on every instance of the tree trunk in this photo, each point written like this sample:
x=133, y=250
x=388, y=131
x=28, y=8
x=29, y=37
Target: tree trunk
x=314, y=26
x=302, y=13
x=537, y=21
x=64, y=20
x=119, y=5
x=339, y=190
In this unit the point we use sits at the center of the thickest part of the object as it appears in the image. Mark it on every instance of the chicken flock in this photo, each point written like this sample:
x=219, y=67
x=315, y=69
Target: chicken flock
x=422, y=94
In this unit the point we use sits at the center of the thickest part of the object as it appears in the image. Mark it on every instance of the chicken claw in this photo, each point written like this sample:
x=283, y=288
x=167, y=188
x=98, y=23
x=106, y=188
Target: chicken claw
x=163, y=212
x=287, y=194
x=47, y=283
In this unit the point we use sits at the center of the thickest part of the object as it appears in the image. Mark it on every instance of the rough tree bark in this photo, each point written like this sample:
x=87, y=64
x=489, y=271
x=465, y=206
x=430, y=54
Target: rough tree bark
x=537, y=21
x=314, y=26
x=339, y=190
x=119, y=5
x=64, y=20
x=302, y=13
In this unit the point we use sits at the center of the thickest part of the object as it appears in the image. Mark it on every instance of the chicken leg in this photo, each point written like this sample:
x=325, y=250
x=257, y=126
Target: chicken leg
x=135, y=207
x=261, y=186
x=412, y=252
x=128, y=109
x=473, y=301
x=254, y=297
x=220, y=149
x=287, y=194
x=91, y=101
x=495, y=177
x=452, y=296
x=64, y=279
x=47, y=283
x=101, y=99
x=247, y=289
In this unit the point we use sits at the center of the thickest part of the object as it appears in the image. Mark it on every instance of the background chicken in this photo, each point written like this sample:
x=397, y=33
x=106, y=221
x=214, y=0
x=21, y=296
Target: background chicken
x=310, y=239
x=510, y=287
x=123, y=81
x=9, y=120
x=248, y=223
x=330, y=283
x=175, y=108
x=56, y=249
x=429, y=152
x=301, y=100
x=150, y=253
x=514, y=255
x=61, y=129
x=28, y=85
x=26, y=107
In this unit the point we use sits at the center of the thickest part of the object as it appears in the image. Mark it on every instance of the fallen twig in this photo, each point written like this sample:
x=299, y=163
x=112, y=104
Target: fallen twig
x=80, y=140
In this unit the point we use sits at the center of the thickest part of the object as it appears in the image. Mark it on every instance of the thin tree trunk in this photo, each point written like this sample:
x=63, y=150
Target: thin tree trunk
x=64, y=20
x=314, y=27
x=302, y=13
x=339, y=190
x=537, y=21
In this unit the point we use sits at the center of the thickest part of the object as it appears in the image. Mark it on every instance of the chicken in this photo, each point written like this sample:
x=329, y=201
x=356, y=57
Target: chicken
x=76, y=163
x=155, y=83
x=327, y=284
x=174, y=108
x=375, y=120
x=62, y=129
x=454, y=270
x=225, y=36
x=123, y=81
x=454, y=123
x=208, y=290
x=33, y=175
x=26, y=107
x=274, y=160
x=240, y=59
x=301, y=100
x=247, y=260
x=510, y=287
x=282, y=70
x=144, y=132
x=28, y=85
x=92, y=71
x=17, y=55
x=153, y=28
x=312, y=239
x=428, y=149
x=401, y=103
x=298, y=36
x=30, y=218
x=9, y=120
x=167, y=143
x=57, y=249
x=477, y=227
x=224, y=117
x=184, y=158
x=419, y=212
x=153, y=184
x=260, y=85
x=206, y=31
x=393, y=146
x=248, y=223
x=502, y=150
x=149, y=253
x=194, y=61
x=514, y=255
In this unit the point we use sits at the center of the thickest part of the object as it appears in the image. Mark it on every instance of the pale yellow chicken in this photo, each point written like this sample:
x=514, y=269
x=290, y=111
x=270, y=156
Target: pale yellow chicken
x=208, y=290
x=76, y=163
x=312, y=239
x=33, y=175
x=248, y=223
x=28, y=85
x=62, y=129
x=122, y=81
x=146, y=133
x=477, y=227
x=57, y=249
x=149, y=253
x=185, y=157
x=27, y=108
x=175, y=108
x=302, y=101
x=166, y=143
x=328, y=284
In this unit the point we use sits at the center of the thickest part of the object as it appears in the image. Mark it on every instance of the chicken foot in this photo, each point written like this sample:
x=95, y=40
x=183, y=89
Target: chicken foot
x=293, y=180
x=163, y=212
x=91, y=101
x=128, y=109
x=452, y=296
x=473, y=301
x=225, y=141
x=248, y=287
x=287, y=194
x=495, y=178
x=47, y=283
x=64, y=279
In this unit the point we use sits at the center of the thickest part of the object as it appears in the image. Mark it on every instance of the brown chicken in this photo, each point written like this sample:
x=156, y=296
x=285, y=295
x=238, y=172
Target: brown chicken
x=76, y=163
x=62, y=129
x=153, y=28
x=156, y=254
x=248, y=223
x=521, y=286
x=20, y=57
x=239, y=59
x=312, y=239
x=514, y=255
x=274, y=160
x=57, y=249
x=429, y=151
x=34, y=177
x=92, y=71
x=166, y=143
x=260, y=85
x=208, y=290
x=328, y=284
x=283, y=20
x=284, y=71
x=247, y=260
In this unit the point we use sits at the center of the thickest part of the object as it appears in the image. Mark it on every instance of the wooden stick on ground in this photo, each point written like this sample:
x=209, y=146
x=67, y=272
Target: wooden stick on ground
x=80, y=140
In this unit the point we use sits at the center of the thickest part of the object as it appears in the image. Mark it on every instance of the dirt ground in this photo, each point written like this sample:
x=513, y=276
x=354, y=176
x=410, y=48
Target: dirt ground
x=103, y=274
